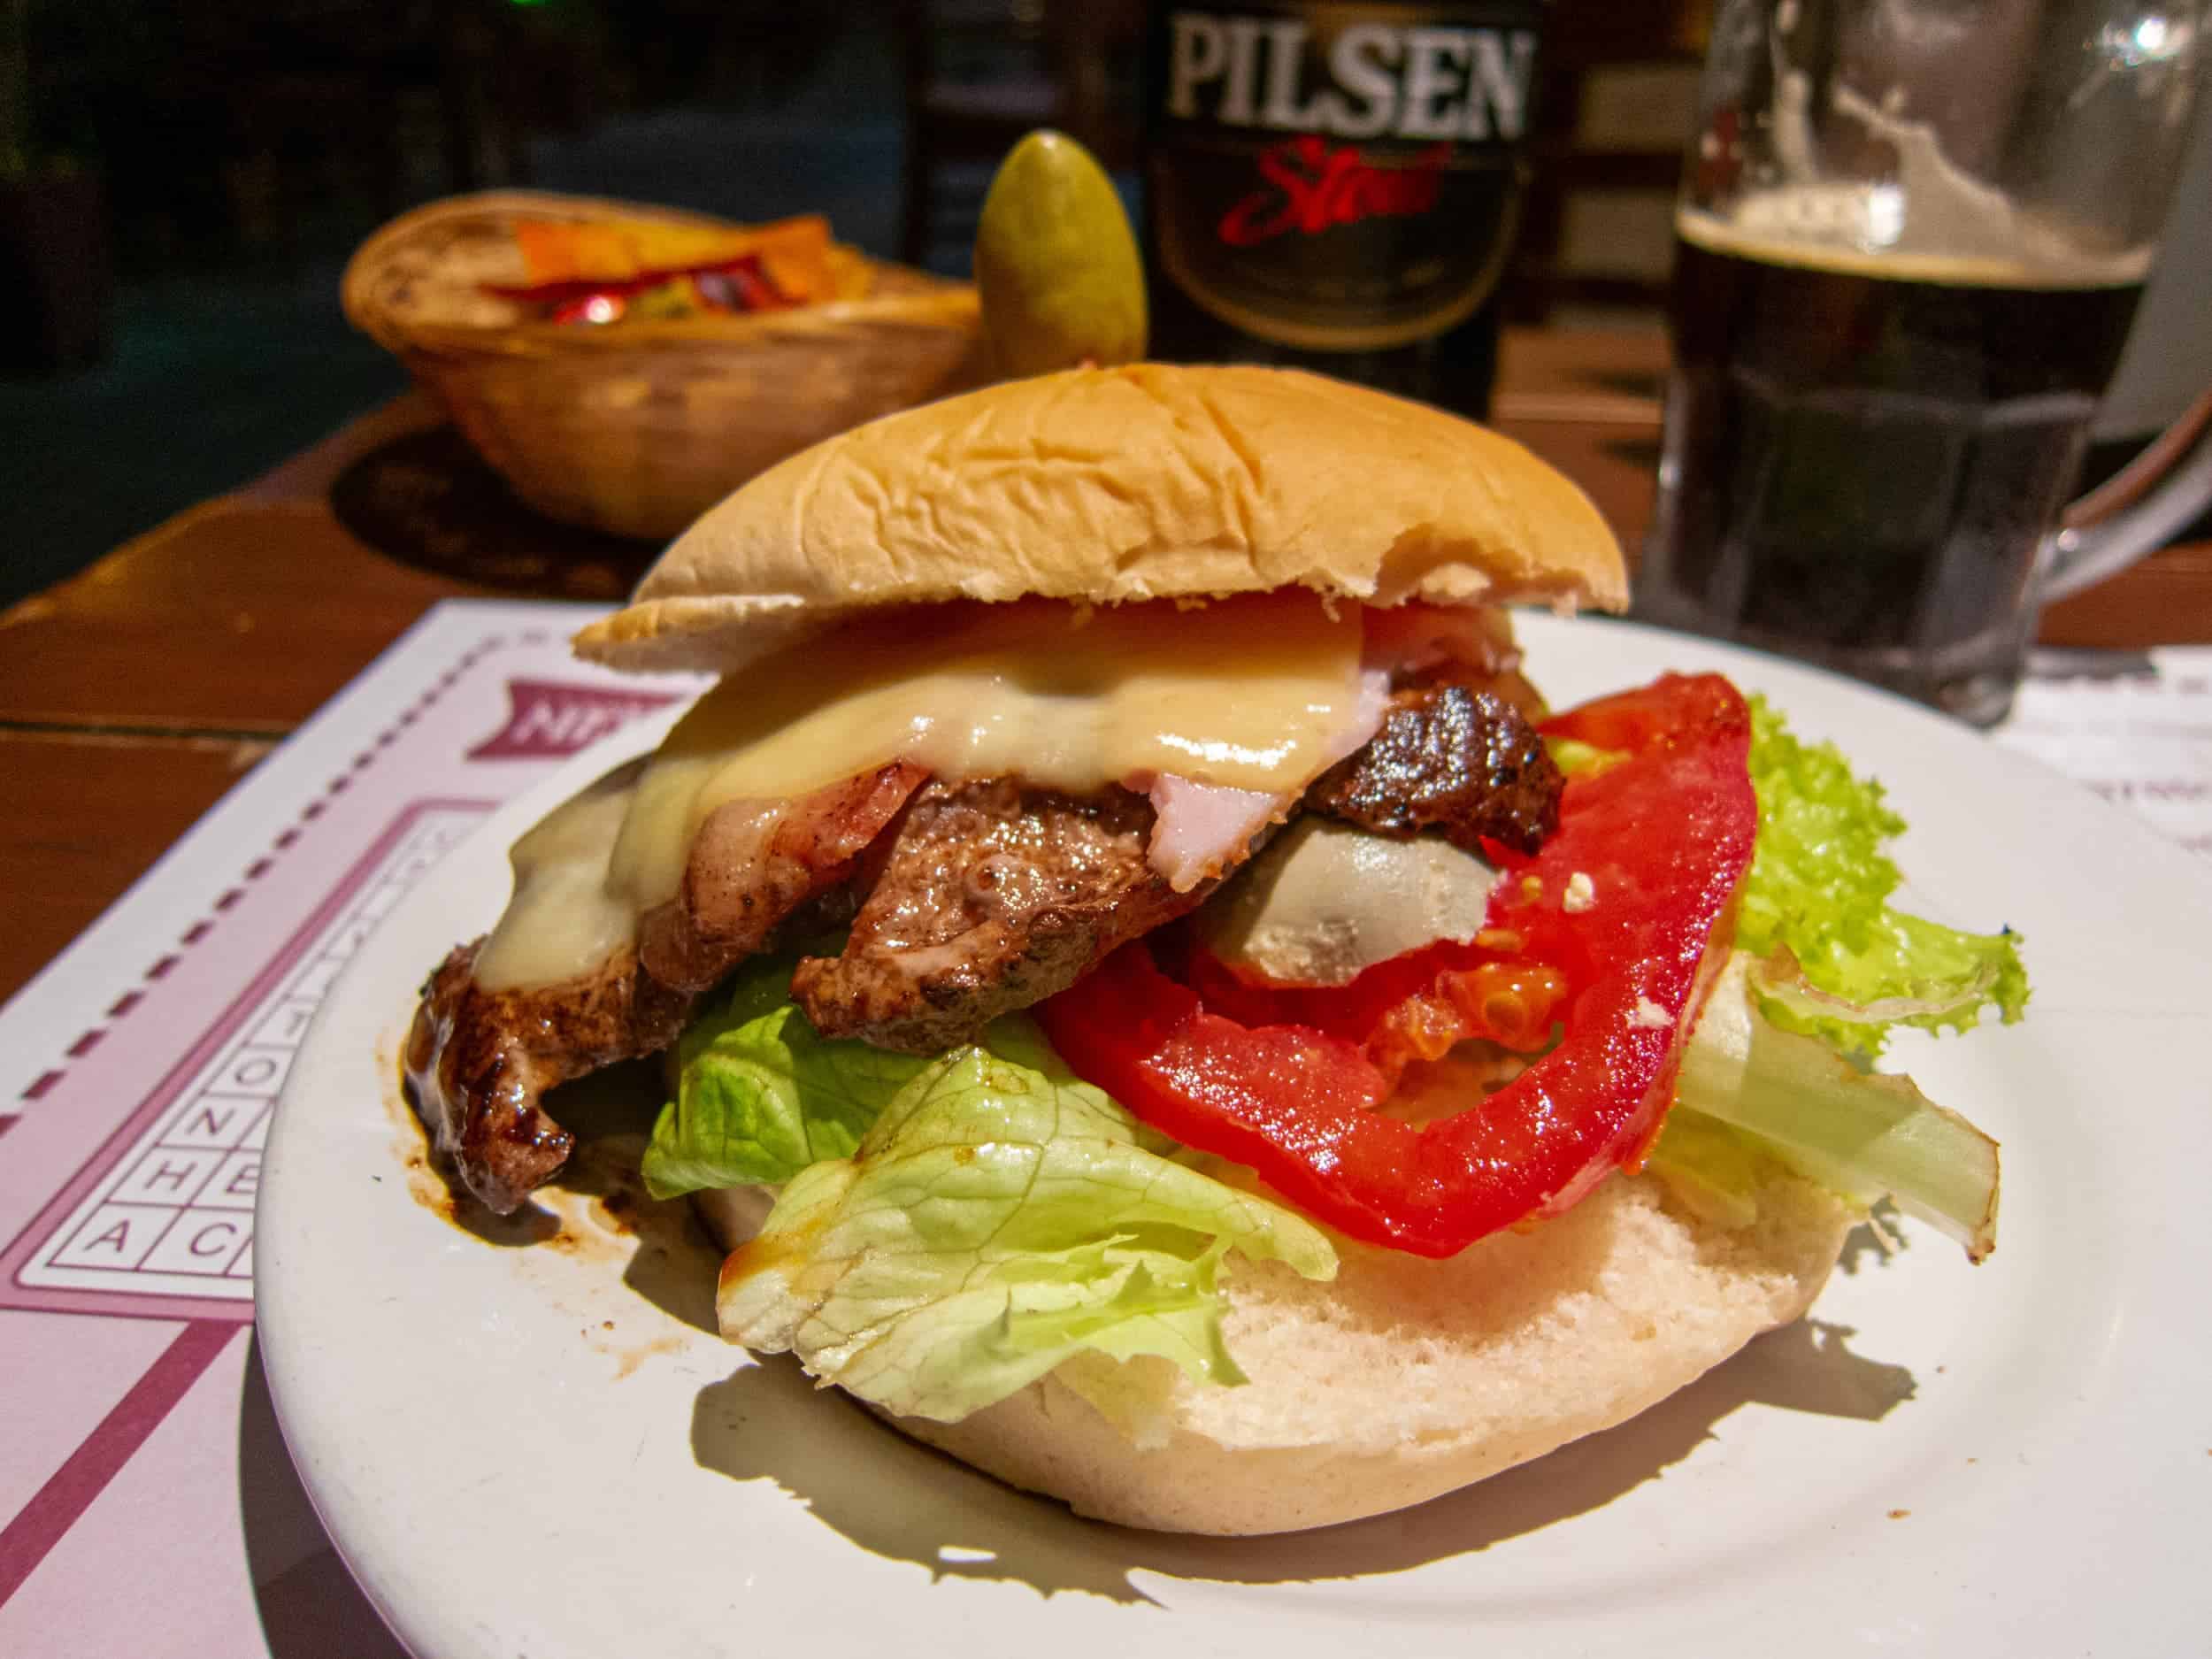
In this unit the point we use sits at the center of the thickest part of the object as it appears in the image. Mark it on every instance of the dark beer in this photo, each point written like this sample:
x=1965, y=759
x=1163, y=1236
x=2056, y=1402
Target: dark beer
x=1863, y=451
x=1334, y=186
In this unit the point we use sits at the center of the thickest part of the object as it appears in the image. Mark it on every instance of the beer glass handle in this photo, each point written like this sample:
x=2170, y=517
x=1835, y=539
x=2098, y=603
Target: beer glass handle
x=2135, y=511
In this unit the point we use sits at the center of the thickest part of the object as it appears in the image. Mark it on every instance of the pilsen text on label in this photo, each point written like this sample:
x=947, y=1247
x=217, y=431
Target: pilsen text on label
x=1418, y=84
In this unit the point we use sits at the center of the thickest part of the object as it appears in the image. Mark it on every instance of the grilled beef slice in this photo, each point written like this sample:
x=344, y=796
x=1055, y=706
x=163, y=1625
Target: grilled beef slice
x=982, y=897
x=993, y=897
x=480, y=1061
x=1450, y=761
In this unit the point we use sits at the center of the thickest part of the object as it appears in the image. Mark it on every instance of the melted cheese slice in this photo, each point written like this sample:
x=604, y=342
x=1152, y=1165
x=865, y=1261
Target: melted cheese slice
x=1261, y=691
x=564, y=920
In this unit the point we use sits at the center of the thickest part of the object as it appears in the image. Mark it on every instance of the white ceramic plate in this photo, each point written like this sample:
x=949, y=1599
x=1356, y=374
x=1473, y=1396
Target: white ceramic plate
x=530, y=1451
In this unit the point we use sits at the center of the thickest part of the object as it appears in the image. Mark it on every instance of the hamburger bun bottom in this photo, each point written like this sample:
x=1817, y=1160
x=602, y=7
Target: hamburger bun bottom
x=1405, y=1379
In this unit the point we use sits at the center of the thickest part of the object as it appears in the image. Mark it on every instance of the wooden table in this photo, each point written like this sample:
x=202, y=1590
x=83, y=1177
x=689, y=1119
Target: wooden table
x=134, y=695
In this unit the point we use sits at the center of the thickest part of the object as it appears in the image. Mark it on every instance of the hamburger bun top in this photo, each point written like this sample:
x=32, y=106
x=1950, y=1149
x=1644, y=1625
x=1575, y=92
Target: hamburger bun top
x=1100, y=486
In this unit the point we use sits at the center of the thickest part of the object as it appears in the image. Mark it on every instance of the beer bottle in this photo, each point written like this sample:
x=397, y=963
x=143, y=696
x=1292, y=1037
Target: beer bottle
x=1334, y=186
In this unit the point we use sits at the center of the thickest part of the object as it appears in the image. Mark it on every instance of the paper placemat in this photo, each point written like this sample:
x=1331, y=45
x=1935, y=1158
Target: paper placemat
x=148, y=1504
x=150, y=1507
x=2135, y=728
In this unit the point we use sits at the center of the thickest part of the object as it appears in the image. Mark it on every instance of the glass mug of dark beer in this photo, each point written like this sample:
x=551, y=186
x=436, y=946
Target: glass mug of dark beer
x=1910, y=240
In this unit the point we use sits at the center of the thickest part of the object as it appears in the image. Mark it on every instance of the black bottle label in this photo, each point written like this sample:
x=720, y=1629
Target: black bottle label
x=1338, y=178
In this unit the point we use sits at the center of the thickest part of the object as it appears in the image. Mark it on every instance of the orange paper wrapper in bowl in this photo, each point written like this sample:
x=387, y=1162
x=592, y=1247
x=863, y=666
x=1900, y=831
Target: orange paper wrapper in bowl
x=794, y=252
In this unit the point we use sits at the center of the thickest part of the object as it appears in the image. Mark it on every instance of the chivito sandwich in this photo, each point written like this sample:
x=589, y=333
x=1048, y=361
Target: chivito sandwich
x=1156, y=1005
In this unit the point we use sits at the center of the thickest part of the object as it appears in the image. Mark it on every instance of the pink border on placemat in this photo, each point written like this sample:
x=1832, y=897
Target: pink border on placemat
x=55, y=1507
x=139, y=1305
x=90, y=1039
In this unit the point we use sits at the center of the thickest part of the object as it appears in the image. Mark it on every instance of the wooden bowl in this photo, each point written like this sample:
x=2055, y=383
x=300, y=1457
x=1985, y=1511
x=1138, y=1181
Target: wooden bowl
x=638, y=428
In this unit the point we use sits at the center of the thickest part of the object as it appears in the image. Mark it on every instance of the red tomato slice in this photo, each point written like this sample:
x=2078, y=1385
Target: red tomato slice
x=1663, y=836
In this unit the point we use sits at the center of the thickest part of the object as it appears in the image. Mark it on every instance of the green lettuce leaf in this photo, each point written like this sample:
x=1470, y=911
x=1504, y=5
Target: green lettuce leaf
x=1816, y=905
x=999, y=1217
x=1864, y=1135
x=1711, y=1170
x=1576, y=758
x=759, y=1096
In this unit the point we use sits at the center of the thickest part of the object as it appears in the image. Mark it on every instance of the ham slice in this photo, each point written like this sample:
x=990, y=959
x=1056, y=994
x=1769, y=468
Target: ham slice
x=1203, y=829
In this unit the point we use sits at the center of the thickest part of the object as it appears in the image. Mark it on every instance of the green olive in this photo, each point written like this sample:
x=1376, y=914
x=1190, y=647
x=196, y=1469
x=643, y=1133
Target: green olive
x=1056, y=262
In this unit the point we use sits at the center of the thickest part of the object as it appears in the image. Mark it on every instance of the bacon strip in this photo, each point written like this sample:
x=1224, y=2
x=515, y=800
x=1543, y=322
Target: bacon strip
x=755, y=862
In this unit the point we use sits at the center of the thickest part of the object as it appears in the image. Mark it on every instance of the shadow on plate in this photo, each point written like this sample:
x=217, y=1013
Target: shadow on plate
x=310, y=1606
x=428, y=500
x=611, y=1112
x=907, y=1502
x=673, y=1264
x=1868, y=1246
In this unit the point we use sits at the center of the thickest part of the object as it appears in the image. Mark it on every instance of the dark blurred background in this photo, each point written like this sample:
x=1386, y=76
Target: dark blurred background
x=203, y=171
x=180, y=185
x=191, y=179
